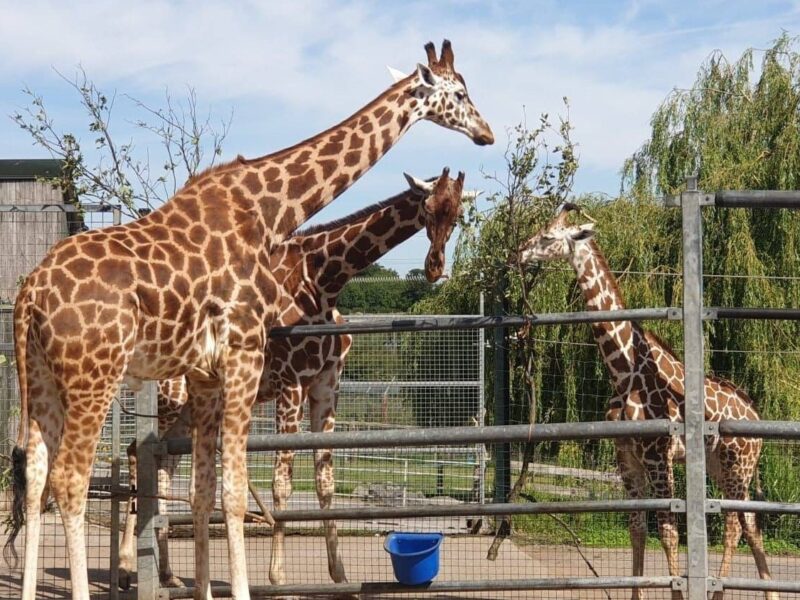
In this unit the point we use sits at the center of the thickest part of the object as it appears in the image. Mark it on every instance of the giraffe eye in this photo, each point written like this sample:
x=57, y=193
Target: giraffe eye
x=460, y=96
x=547, y=240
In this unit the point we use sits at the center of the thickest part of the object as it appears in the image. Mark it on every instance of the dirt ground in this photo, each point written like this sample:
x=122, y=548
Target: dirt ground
x=462, y=558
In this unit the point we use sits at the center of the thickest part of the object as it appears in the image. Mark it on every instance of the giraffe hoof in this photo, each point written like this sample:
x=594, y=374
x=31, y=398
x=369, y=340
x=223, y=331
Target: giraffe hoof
x=124, y=581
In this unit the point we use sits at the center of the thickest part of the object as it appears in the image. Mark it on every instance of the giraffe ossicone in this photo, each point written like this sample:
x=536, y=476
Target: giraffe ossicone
x=312, y=267
x=648, y=380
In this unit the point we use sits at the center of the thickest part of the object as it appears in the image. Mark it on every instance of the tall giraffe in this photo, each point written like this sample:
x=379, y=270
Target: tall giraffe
x=312, y=267
x=187, y=291
x=648, y=380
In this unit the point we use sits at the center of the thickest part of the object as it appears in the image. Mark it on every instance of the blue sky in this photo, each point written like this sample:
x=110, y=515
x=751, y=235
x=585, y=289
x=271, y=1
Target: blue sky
x=291, y=69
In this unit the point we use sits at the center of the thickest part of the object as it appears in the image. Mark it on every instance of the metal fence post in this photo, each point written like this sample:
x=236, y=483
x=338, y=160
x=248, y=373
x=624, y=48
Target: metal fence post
x=697, y=542
x=481, y=417
x=146, y=491
x=502, y=453
x=113, y=556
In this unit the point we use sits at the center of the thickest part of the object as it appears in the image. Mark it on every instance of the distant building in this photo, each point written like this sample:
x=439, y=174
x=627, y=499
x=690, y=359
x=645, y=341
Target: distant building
x=32, y=218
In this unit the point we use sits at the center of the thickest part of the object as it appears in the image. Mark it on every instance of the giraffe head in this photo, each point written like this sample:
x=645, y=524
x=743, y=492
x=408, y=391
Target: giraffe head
x=442, y=199
x=442, y=96
x=558, y=240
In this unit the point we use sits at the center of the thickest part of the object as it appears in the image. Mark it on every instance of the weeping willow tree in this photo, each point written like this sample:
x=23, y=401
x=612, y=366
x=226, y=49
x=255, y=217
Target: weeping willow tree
x=737, y=127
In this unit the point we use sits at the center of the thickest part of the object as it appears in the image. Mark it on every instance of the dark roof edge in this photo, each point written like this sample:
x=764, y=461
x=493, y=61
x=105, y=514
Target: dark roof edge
x=29, y=169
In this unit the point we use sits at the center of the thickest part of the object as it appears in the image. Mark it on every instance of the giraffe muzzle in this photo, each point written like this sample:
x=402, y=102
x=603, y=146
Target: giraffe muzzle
x=483, y=137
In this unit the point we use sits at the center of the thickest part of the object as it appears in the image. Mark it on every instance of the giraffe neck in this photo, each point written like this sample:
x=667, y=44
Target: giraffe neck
x=293, y=184
x=616, y=339
x=335, y=253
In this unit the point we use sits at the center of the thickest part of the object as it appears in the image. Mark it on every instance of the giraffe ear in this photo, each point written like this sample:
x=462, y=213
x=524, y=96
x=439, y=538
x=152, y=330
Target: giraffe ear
x=419, y=186
x=582, y=232
x=397, y=76
x=425, y=77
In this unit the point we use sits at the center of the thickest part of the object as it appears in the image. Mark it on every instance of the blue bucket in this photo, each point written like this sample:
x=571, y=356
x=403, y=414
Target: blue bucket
x=415, y=556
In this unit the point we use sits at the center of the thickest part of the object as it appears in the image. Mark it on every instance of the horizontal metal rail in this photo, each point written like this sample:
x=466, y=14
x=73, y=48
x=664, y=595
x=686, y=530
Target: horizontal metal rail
x=760, y=585
x=448, y=323
x=755, y=506
x=383, y=385
x=57, y=207
x=773, y=314
x=774, y=430
x=29, y=208
x=491, y=585
x=757, y=199
x=450, y=435
x=360, y=513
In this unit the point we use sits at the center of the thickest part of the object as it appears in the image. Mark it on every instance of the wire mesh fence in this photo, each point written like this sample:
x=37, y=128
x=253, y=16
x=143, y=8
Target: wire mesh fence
x=435, y=379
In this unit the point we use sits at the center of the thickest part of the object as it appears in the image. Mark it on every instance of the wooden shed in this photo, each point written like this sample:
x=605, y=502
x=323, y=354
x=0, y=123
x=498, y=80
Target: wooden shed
x=32, y=219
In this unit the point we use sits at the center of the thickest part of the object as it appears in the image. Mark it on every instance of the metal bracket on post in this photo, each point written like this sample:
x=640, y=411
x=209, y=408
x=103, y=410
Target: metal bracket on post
x=679, y=584
x=161, y=522
x=709, y=314
x=675, y=314
x=146, y=492
x=712, y=428
x=715, y=584
x=713, y=507
x=677, y=506
x=707, y=199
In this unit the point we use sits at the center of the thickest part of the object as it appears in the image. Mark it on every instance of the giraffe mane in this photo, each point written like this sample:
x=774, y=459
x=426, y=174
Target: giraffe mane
x=348, y=219
x=240, y=160
x=660, y=341
x=603, y=265
x=356, y=216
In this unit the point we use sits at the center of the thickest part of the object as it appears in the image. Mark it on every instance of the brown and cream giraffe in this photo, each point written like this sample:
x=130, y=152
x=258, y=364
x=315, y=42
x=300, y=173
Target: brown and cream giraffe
x=312, y=267
x=648, y=380
x=187, y=291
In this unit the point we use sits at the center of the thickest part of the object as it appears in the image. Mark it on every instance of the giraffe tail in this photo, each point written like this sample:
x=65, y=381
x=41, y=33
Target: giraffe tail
x=19, y=459
x=759, y=492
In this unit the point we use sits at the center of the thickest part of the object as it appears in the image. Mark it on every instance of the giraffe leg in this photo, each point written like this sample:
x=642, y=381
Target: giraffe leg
x=242, y=373
x=44, y=428
x=127, y=551
x=69, y=478
x=733, y=532
x=166, y=470
x=288, y=414
x=663, y=483
x=739, y=463
x=205, y=403
x=322, y=400
x=752, y=533
x=635, y=481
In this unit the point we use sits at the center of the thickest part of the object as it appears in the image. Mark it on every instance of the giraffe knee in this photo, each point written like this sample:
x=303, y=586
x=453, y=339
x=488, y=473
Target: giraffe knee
x=638, y=521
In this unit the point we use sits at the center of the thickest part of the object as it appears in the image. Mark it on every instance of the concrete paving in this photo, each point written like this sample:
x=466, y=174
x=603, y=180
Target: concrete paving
x=462, y=558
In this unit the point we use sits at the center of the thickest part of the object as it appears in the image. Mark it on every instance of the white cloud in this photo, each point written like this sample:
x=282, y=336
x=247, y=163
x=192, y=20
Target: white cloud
x=318, y=60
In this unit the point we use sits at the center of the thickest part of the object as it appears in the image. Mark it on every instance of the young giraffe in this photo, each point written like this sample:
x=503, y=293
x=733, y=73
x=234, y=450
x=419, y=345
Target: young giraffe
x=187, y=291
x=312, y=267
x=648, y=380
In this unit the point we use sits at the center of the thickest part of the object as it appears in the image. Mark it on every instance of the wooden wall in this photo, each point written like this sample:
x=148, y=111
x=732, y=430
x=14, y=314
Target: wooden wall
x=25, y=237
